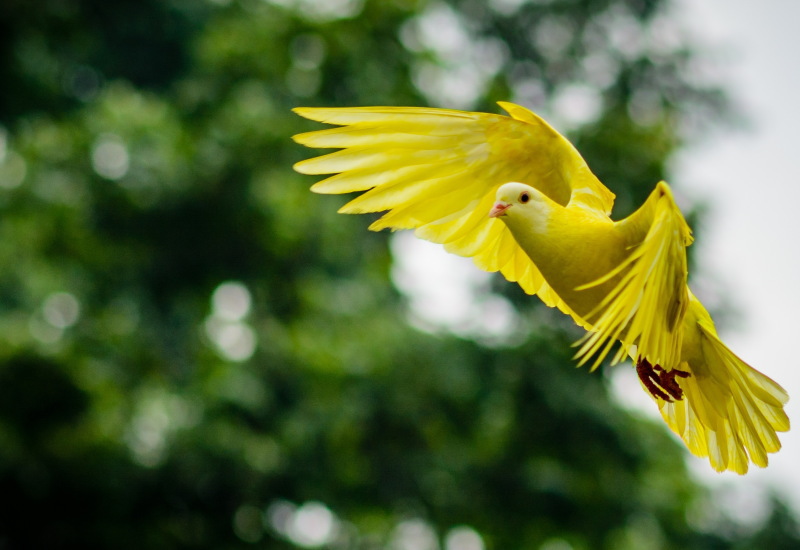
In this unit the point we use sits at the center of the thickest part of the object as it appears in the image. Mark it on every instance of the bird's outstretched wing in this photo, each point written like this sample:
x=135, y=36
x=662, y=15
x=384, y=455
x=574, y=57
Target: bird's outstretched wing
x=437, y=171
x=645, y=309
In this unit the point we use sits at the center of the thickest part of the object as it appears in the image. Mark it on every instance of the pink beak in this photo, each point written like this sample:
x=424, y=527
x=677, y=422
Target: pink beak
x=499, y=209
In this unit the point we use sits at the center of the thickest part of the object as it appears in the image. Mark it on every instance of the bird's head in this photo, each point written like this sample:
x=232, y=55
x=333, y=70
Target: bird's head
x=517, y=201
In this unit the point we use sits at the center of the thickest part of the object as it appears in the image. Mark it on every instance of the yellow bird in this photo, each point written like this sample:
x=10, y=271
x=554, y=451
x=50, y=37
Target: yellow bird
x=517, y=197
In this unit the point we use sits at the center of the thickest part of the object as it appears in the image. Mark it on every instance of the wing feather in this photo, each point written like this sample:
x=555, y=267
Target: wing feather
x=437, y=171
x=647, y=305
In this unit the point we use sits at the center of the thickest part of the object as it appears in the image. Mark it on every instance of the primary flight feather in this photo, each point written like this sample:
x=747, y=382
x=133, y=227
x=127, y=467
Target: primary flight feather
x=516, y=196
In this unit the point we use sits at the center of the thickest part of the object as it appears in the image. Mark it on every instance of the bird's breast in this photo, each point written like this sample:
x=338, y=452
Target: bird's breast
x=572, y=254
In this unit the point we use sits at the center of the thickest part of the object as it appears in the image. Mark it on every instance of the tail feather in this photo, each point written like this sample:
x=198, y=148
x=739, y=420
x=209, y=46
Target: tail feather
x=731, y=413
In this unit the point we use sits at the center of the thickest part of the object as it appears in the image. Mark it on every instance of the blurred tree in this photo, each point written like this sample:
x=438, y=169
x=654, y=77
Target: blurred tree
x=197, y=353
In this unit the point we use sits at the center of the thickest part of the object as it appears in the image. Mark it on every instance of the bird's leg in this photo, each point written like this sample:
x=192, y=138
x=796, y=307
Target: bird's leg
x=649, y=378
x=668, y=382
x=659, y=382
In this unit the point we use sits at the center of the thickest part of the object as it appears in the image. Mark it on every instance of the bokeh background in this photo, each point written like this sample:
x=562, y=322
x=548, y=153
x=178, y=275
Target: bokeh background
x=196, y=352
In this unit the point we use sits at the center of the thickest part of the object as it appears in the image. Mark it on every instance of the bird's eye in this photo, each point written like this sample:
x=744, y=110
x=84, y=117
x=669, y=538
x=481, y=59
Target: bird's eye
x=524, y=197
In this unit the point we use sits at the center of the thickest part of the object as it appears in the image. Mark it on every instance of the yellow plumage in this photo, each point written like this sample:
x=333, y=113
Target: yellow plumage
x=440, y=172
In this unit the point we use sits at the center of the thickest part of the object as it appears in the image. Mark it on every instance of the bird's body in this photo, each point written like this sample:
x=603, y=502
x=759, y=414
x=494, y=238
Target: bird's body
x=516, y=196
x=572, y=248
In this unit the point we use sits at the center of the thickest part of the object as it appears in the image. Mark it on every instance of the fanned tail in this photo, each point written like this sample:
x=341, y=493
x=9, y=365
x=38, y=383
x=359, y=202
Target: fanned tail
x=731, y=413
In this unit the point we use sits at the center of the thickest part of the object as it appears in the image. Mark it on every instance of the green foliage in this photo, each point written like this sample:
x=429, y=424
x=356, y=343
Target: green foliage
x=198, y=353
